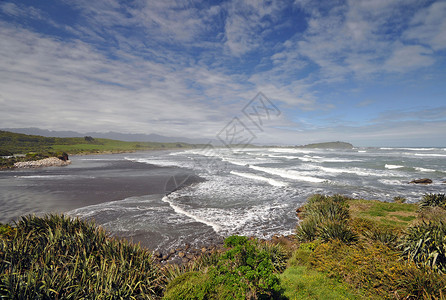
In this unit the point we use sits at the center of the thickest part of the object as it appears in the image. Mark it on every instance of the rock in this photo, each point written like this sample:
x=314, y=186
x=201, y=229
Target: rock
x=63, y=156
x=172, y=251
x=157, y=254
x=184, y=260
x=190, y=256
x=422, y=181
x=204, y=249
x=181, y=254
x=46, y=162
x=165, y=257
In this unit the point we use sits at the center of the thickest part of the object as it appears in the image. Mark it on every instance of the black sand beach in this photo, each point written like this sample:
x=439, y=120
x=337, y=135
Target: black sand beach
x=90, y=180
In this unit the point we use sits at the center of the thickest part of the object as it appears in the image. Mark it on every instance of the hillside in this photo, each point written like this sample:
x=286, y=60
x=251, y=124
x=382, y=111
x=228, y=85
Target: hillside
x=39, y=147
x=17, y=143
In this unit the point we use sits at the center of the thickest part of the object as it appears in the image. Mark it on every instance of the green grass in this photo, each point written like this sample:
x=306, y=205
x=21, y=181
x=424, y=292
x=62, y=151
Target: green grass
x=399, y=257
x=23, y=143
x=398, y=215
x=298, y=282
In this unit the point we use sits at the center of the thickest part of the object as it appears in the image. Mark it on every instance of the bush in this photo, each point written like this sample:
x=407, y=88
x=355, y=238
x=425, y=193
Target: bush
x=56, y=257
x=333, y=230
x=377, y=269
x=245, y=271
x=433, y=200
x=326, y=218
x=425, y=244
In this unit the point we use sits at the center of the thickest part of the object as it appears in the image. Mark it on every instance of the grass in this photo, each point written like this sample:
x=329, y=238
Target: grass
x=398, y=215
x=399, y=251
x=39, y=146
x=55, y=257
x=22, y=143
x=299, y=282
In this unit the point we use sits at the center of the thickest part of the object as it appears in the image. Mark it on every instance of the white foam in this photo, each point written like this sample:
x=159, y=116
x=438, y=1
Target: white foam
x=391, y=181
x=410, y=149
x=261, y=178
x=424, y=169
x=430, y=154
x=289, y=150
x=161, y=162
x=357, y=171
x=291, y=174
x=391, y=167
x=282, y=156
x=181, y=211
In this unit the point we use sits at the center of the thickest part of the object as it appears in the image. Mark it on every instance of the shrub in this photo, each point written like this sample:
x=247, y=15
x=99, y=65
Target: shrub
x=433, y=200
x=432, y=214
x=333, y=230
x=306, y=231
x=383, y=235
x=377, y=269
x=425, y=244
x=245, y=271
x=325, y=217
x=56, y=257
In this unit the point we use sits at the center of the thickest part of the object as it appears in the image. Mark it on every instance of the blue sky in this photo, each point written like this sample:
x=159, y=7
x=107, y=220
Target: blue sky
x=370, y=72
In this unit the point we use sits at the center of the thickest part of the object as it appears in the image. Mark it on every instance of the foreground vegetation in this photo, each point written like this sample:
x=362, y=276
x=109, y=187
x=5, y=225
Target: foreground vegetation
x=343, y=249
x=37, y=147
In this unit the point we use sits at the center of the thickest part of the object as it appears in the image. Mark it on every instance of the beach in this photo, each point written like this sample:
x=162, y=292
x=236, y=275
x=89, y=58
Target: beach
x=254, y=192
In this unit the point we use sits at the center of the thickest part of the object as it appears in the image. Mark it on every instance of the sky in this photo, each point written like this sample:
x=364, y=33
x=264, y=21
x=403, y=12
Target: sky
x=368, y=72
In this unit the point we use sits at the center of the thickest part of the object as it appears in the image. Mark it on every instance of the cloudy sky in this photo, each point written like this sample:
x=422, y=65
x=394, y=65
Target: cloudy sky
x=370, y=72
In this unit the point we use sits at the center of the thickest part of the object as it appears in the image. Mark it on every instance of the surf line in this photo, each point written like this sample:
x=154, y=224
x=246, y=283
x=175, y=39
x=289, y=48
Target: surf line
x=181, y=211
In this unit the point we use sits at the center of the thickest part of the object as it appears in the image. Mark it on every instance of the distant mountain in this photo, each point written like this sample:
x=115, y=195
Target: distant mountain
x=126, y=137
x=329, y=145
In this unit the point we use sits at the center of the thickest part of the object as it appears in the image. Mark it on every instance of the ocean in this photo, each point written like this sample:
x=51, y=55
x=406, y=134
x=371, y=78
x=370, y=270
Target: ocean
x=164, y=199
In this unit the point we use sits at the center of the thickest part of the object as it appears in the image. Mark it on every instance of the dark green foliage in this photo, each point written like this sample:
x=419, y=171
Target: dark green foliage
x=56, y=257
x=432, y=200
x=425, y=244
x=5, y=153
x=332, y=230
x=383, y=235
x=325, y=217
x=247, y=270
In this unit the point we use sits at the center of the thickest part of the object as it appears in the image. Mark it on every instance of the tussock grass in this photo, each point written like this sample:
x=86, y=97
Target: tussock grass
x=325, y=218
x=56, y=257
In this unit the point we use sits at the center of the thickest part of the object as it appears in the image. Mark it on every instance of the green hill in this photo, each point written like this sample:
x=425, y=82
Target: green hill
x=17, y=143
x=37, y=147
x=329, y=145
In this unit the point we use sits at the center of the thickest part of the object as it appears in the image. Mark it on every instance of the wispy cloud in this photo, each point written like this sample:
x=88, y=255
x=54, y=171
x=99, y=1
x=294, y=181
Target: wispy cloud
x=187, y=68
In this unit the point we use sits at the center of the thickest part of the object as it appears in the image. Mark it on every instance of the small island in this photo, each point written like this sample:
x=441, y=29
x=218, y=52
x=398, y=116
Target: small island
x=328, y=145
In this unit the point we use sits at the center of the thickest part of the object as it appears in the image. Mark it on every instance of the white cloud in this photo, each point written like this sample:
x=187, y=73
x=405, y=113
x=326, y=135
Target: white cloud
x=407, y=58
x=429, y=26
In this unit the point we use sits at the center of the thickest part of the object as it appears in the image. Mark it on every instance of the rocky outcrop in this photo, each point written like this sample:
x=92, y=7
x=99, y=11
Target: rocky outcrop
x=422, y=181
x=46, y=162
x=187, y=254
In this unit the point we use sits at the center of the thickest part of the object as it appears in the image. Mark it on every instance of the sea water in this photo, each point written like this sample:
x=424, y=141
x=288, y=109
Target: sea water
x=255, y=191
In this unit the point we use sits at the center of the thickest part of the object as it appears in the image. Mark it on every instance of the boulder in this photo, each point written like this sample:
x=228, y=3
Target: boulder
x=62, y=156
x=422, y=181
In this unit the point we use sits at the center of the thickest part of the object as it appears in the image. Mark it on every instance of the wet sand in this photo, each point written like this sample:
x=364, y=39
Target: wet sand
x=89, y=180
